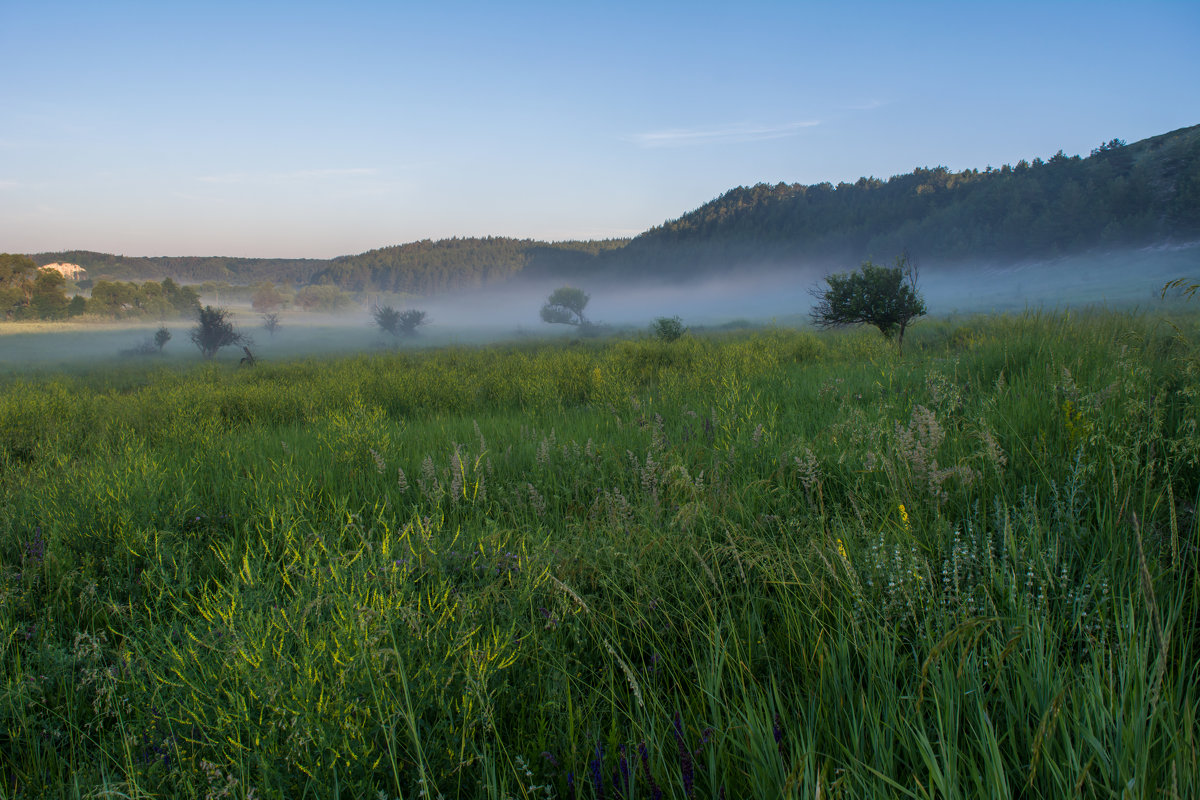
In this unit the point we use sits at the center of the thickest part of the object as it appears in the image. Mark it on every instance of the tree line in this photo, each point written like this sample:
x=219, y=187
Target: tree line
x=1120, y=194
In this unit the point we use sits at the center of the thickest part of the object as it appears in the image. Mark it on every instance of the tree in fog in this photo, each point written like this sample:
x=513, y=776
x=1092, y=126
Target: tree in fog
x=161, y=337
x=271, y=322
x=668, y=329
x=396, y=323
x=410, y=320
x=214, y=331
x=884, y=297
x=267, y=298
x=565, y=306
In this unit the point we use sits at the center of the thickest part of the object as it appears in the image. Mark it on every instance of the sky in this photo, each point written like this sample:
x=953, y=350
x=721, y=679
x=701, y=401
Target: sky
x=297, y=129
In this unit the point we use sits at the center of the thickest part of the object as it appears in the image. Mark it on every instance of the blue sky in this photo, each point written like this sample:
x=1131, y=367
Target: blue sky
x=312, y=130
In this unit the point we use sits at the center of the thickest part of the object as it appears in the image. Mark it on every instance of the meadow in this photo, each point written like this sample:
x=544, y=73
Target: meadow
x=747, y=564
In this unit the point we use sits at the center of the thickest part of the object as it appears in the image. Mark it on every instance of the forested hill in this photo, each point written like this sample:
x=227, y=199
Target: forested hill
x=187, y=269
x=1122, y=194
x=1147, y=192
x=426, y=267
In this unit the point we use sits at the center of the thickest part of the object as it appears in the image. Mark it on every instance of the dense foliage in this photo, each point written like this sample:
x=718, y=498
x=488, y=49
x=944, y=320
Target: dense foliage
x=883, y=297
x=213, y=331
x=1121, y=194
x=778, y=565
x=565, y=306
x=187, y=269
x=152, y=299
x=396, y=322
x=27, y=292
x=428, y=267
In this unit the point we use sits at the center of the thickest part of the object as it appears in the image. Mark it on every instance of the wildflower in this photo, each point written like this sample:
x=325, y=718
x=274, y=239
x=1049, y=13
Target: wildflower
x=904, y=517
x=644, y=753
x=842, y=550
x=686, y=767
x=35, y=548
x=777, y=729
x=597, y=775
x=620, y=777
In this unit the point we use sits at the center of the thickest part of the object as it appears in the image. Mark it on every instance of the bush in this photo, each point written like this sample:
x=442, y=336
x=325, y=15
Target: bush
x=668, y=329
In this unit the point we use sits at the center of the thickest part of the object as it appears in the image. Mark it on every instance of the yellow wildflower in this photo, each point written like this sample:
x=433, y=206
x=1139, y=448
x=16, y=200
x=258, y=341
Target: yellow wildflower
x=842, y=550
x=904, y=516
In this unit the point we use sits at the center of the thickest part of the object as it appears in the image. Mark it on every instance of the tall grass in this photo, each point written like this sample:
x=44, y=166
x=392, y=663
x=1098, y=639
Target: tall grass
x=748, y=566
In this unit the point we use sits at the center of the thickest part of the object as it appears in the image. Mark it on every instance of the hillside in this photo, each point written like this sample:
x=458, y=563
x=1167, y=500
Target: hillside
x=187, y=269
x=1121, y=194
x=428, y=267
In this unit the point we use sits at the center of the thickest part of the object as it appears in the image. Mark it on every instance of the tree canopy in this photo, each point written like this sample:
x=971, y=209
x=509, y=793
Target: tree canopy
x=565, y=306
x=214, y=330
x=884, y=297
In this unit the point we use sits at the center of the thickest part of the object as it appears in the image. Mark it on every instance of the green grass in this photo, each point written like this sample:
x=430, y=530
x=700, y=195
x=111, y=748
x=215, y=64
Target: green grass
x=494, y=571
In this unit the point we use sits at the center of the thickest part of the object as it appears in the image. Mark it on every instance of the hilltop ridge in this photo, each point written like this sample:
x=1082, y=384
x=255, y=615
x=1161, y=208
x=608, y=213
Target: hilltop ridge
x=1138, y=194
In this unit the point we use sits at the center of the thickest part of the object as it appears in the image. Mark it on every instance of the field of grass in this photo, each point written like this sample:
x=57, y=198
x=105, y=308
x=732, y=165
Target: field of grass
x=766, y=564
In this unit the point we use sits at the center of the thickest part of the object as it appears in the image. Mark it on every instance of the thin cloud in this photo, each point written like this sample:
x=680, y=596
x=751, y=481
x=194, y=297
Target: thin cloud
x=743, y=132
x=296, y=175
x=867, y=105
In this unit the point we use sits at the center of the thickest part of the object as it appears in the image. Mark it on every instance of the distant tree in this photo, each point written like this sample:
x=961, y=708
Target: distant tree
x=410, y=320
x=565, y=306
x=48, y=300
x=387, y=319
x=271, y=322
x=397, y=323
x=112, y=298
x=668, y=329
x=267, y=297
x=885, y=297
x=77, y=305
x=322, y=298
x=161, y=337
x=214, y=331
x=17, y=275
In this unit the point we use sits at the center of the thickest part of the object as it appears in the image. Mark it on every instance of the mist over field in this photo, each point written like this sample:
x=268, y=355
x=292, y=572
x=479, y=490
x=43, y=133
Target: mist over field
x=509, y=311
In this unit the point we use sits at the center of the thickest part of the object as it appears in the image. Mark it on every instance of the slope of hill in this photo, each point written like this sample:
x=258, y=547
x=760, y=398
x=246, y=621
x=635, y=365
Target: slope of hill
x=1122, y=194
x=427, y=267
x=187, y=269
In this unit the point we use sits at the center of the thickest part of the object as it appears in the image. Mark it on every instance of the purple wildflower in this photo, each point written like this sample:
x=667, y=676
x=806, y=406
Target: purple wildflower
x=620, y=776
x=655, y=792
x=686, y=769
x=778, y=731
x=35, y=548
x=704, y=737
x=597, y=773
x=571, y=786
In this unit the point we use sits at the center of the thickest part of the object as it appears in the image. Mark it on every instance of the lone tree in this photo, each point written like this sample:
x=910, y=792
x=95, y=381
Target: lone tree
x=271, y=322
x=885, y=297
x=395, y=322
x=410, y=320
x=668, y=329
x=161, y=337
x=565, y=306
x=214, y=331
